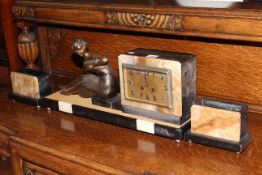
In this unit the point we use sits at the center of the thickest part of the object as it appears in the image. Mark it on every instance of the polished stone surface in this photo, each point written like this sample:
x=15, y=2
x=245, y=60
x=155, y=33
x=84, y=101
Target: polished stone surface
x=216, y=122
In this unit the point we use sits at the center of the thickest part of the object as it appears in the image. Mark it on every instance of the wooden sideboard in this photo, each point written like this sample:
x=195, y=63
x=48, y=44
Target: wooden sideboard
x=57, y=143
x=227, y=42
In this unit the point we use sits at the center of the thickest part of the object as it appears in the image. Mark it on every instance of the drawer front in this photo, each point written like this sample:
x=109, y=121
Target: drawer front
x=4, y=148
x=29, y=161
x=32, y=169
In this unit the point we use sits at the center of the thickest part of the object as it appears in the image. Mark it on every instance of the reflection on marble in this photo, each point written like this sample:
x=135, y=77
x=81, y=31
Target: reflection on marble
x=146, y=146
x=215, y=122
x=67, y=125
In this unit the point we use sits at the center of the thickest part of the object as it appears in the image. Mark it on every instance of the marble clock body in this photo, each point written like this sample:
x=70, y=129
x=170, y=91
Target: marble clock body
x=158, y=84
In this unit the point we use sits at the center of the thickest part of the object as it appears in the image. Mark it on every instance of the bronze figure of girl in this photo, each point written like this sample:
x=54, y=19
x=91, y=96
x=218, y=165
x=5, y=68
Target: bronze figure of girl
x=98, y=79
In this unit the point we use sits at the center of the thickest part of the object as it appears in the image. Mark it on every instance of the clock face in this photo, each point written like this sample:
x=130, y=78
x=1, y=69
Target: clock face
x=148, y=85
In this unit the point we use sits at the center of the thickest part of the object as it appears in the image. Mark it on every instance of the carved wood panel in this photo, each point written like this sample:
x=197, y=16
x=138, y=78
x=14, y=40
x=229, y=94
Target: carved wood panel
x=55, y=38
x=146, y=20
x=23, y=11
x=28, y=171
x=31, y=169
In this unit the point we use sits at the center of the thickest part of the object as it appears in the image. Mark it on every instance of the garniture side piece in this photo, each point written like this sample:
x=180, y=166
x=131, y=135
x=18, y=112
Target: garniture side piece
x=158, y=84
x=29, y=84
x=219, y=124
x=98, y=79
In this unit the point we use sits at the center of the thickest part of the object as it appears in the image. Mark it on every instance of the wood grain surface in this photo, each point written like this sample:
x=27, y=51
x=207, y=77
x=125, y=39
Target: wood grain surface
x=234, y=21
x=5, y=168
x=8, y=41
x=10, y=33
x=96, y=145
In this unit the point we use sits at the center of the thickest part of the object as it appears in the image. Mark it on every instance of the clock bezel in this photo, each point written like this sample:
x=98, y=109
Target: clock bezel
x=143, y=68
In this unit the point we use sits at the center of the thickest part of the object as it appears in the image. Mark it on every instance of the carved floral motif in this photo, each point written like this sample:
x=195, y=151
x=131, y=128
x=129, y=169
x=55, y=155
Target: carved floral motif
x=146, y=20
x=22, y=11
x=55, y=37
x=28, y=171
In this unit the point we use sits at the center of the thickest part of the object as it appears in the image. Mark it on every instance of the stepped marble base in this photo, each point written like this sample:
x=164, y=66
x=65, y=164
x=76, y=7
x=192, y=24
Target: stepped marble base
x=219, y=143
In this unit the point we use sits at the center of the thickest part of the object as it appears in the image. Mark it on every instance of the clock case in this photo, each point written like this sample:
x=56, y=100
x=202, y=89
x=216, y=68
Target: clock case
x=188, y=84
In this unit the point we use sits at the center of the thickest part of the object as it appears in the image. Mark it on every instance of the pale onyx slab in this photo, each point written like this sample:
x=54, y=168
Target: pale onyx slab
x=219, y=123
x=26, y=85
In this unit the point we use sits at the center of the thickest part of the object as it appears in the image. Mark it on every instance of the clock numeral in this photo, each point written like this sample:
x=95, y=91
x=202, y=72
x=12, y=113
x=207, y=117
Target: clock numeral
x=131, y=71
x=153, y=90
x=132, y=92
x=129, y=82
x=162, y=76
x=165, y=87
x=154, y=98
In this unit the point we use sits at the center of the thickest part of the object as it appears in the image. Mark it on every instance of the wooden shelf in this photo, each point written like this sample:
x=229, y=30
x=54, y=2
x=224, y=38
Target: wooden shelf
x=107, y=148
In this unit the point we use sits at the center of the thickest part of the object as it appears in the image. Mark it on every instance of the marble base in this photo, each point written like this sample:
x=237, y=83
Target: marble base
x=219, y=143
x=113, y=103
x=83, y=107
x=25, y=99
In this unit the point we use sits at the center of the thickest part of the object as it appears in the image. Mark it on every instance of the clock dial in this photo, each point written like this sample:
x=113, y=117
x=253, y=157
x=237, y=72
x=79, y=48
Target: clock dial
x=148, y=85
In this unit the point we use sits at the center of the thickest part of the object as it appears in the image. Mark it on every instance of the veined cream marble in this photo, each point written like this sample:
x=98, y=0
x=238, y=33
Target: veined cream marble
x=215, y=122
x=175, y=68
x=26, y=85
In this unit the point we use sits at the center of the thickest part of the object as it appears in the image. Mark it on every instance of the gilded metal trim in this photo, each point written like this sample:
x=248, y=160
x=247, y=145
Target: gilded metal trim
x=143, y=68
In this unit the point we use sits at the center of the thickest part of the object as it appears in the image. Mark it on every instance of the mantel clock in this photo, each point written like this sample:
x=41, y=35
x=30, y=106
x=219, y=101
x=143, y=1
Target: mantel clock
x=157, y=84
